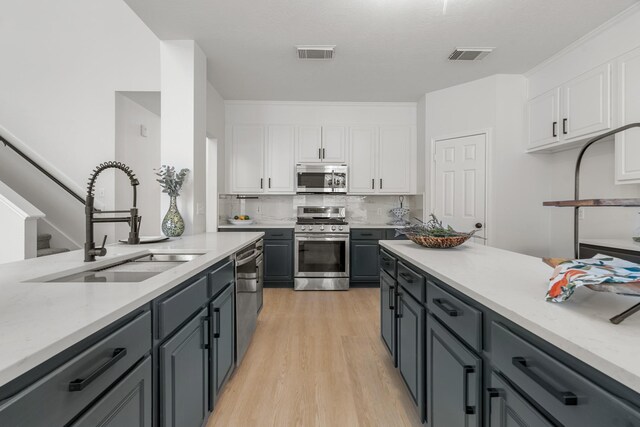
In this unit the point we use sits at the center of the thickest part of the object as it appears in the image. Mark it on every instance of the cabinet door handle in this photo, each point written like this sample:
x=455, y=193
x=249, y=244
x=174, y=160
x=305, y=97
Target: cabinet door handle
x=399, y=311
x=567, y=398
x=467, y=370
x=320, y=153
x=324, y=156
x=205, y=333
x=381, y=183
x=406, y=277
x=261, y=183
x=391, y=297
x=80, y=383
x=564, y=126
x=373, y=184
x=493, y=393
x=269, y=182
x=554, y=129
x=216, y=314
x=446, y=306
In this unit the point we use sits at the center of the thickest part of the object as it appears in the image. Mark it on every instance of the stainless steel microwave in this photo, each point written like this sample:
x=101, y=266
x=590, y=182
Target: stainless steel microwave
x=321, y=179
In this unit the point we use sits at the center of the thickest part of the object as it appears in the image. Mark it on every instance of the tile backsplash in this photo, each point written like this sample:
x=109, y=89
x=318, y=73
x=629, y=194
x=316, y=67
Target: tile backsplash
x=271, y=209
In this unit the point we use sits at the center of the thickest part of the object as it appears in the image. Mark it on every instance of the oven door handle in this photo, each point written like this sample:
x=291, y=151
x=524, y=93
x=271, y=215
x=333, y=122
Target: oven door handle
x=323, y=238
x=247, y=259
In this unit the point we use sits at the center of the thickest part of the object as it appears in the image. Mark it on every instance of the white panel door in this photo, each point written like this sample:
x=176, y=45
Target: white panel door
x=628, y=142
x=363, y=146
x=280, y=159
x=247, y=159
x=394, y=159
x=309, y=144
x=544, y=115
x=334, y=147
x=587, y=104
x=460, y=183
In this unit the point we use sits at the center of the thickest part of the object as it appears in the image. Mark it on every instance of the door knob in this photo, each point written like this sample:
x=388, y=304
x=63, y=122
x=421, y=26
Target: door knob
x=478, y=225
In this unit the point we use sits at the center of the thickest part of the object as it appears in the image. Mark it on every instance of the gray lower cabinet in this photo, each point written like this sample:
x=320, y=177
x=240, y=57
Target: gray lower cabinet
x=127, y=404
x=278, y=260
x=454, y=390
x=411, y=333
x=364, y=263
x=507, y=408
x=222, y=337
x=184, y=375
x=388, y=313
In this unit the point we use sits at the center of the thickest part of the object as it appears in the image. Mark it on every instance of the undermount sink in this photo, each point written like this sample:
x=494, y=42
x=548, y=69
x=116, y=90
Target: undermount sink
x=135, y=269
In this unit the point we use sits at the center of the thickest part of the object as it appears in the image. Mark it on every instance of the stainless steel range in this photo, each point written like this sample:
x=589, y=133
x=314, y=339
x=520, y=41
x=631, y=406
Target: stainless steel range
x=322, y=249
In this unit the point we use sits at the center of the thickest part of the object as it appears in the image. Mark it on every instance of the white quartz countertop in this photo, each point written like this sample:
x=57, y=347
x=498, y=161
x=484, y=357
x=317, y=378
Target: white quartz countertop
x=39, y=320
x=514, y=285
x=259, y=225
x=352, y=225
x=627, y=244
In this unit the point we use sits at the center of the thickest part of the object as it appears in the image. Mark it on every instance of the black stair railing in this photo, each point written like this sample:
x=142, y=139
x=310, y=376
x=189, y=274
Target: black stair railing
x=42, y=170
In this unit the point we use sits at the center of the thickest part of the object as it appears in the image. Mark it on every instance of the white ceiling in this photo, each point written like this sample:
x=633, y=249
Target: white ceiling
x=387, y=50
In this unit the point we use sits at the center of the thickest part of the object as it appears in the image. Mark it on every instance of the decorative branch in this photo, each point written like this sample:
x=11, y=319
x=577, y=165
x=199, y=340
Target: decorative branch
x=170, y=180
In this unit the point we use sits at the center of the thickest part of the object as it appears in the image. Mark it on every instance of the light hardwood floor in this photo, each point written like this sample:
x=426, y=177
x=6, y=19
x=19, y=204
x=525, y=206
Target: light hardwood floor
x=316, y=359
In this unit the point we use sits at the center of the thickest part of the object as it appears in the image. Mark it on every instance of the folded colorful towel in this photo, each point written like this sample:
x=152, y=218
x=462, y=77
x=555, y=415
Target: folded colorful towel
x=599, y=270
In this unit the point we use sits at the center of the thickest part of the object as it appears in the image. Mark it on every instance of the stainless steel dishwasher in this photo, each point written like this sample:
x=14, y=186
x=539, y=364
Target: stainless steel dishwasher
x=249, y=272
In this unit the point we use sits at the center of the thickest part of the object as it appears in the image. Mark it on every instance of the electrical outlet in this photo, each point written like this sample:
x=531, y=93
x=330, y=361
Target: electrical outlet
x=200, y=209
x=101, y=193
x=144, y=132
x=581, y=214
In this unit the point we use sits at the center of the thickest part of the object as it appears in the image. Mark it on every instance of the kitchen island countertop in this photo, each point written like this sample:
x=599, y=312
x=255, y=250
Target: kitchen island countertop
x=514, y=285
x=39, y=320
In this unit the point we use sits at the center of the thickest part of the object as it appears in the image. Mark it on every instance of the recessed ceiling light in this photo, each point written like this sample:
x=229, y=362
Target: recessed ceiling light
x=316, y=52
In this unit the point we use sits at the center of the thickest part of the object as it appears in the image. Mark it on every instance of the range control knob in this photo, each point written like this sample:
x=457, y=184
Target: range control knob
x=322, y=228
x=340, y=228
x=310, y=227
x=333, y=228
x=303, y=228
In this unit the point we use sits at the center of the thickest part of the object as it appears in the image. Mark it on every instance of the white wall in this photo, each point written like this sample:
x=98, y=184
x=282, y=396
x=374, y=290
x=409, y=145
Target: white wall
x=517, y=182
x=19, y=219
x=604, y=44
x=62, y=63
x=142, y=155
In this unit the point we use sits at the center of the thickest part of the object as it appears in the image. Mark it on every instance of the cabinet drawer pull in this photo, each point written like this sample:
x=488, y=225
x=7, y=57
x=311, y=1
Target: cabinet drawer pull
x=446, y=306
x=216, y=314
x=564, y=126
x=79, y=384
x=366, y=234
x=467, y=370
x=554, y=129
x=565, y=397
x=277, y=234
x=406, y=277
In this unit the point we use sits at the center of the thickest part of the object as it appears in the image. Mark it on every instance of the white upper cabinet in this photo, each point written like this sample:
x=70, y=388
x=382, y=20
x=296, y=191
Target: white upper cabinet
x=544, y=115
x=570, y=114
x=587, y=104
x=247, y=159
x=395, y=156
x=627, y=152
x=280, y=159
x=309, y=144
x=321, y=144
x=334, y=146
x=363, y=148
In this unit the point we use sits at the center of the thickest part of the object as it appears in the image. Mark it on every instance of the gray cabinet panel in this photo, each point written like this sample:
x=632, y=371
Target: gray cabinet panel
x=364, y=261
x=367, y=234
x=568, y=396
x=412, y=281
x=128, y=404
x=454, y=391
x=278, y=234
x=177, y=308
x=221, y=277
x=388, y=263
x=184, y=375
x=278, y=260
x=222, y=311
x=410, y=347
x=391, y=234
x=388, y=313
x=508, y=409
x=108, y=360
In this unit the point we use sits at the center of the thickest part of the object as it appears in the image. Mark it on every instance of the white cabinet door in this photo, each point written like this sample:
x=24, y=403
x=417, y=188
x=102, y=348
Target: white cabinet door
x=280, y=159
x=309, y=144
x=628, y=142
x=395, y=155
x=333, y=144
x=247, y=159
x=363, y=147
x=543, y=114
x=587, y=104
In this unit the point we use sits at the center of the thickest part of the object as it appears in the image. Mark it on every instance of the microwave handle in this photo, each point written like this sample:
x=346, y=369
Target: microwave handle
x=333, y=181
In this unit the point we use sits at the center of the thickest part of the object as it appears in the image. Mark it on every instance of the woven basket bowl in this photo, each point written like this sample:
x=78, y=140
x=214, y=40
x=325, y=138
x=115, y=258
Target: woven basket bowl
x=439, y=242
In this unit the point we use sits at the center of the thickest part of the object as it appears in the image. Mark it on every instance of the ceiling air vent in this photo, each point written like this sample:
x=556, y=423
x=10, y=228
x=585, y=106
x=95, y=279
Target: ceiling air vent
x=316, y=52
x=470, y=53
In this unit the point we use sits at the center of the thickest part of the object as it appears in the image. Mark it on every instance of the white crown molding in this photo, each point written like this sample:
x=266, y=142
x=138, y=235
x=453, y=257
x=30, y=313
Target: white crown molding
x=590, y=35
x=322, y=103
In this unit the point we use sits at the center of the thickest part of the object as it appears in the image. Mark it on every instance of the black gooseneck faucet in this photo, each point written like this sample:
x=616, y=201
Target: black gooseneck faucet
x=134, y=220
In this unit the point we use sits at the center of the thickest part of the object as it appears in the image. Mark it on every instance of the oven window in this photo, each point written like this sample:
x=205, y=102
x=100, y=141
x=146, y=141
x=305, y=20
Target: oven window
x=314, y=180
x=322, y=257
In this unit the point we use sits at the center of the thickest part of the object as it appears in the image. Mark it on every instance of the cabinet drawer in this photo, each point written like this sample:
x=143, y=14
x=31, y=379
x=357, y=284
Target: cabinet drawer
x=413, y=282
x=566, y=395
x=278, y=234
x=464, y=320
x=388, y=263
x=50, y=401
x=367, y=234
x=174, y=310
x=221, y=277
x=508, y=408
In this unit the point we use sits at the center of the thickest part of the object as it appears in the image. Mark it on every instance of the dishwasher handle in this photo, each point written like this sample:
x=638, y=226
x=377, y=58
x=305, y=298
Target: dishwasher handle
x=248, y=258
